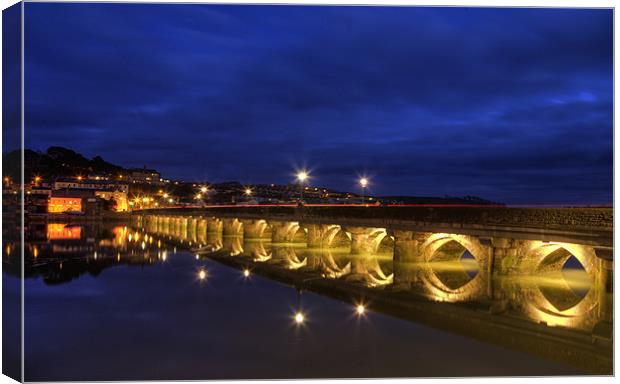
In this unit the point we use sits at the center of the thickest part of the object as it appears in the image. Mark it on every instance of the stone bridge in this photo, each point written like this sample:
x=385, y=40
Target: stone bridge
x=405, y=252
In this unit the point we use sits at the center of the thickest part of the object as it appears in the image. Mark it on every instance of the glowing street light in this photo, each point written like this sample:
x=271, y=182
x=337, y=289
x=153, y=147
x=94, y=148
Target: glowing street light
x=202, y=274
x=203, y=189
x=302, y=176
x=198, y=196
x=165, y=196
x=248, y=192
x=364, y=184
x=246, y=272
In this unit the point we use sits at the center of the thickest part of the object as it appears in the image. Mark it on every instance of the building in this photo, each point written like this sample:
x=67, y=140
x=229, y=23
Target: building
x=104, y=189
x=119, y=197
x=100, y=185
x=144, y=176
x=67, y=201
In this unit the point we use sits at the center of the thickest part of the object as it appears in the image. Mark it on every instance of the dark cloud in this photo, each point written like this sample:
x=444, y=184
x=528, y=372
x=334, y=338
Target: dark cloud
x=510, y=104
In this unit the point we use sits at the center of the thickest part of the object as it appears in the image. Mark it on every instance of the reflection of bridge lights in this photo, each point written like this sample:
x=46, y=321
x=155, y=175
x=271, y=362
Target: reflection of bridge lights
x=202, y=274
x=164, y=256
x=143, y=245
x=360, y=309
x=299, y=317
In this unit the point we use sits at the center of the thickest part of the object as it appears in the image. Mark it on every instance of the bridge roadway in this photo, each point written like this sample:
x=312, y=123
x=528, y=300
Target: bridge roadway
x=588, y=226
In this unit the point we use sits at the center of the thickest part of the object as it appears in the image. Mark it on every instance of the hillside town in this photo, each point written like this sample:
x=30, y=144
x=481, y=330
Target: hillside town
x=61, y=182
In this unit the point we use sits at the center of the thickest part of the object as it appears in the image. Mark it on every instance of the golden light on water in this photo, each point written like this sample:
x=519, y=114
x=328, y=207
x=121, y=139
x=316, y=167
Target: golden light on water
x=299, y=317
x=246, y=272
x=202, y=274
x=360, y=309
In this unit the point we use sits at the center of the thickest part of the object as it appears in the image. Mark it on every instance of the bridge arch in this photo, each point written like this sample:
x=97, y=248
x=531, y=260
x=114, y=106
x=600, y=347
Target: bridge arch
x=560, y=305
x=335, y=236
x=460, y=285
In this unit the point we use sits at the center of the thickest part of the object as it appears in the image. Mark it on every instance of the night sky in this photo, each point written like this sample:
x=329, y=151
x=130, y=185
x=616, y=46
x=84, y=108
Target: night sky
x=513, y=105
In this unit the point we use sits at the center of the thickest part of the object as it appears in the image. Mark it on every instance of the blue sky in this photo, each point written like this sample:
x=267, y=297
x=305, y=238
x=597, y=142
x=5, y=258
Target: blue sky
x=513, y=105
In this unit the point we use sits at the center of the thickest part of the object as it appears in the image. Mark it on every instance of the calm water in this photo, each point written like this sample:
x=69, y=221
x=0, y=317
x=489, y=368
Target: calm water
x=109, y=302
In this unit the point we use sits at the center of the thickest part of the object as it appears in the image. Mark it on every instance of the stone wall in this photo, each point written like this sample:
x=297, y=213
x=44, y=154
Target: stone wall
x=597, y=219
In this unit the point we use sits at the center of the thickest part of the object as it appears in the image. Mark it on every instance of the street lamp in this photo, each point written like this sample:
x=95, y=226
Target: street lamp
x=301, y=177
x=364, y=184
x=248, y=192
x=203, y=189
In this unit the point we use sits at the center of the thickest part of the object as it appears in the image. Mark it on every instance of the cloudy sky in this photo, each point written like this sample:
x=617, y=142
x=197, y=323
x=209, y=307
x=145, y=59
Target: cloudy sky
x=513, y=105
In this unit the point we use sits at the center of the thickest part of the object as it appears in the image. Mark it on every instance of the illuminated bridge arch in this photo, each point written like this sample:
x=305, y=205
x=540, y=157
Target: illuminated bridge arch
x=560, y=305
x=443, y=247
x=336, y=236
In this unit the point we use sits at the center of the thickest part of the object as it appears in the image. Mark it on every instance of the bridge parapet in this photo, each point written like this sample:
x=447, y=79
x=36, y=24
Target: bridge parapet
x=593, y=226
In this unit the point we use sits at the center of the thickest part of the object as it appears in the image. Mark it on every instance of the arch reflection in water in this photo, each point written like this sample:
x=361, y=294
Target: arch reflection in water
x=513, y=274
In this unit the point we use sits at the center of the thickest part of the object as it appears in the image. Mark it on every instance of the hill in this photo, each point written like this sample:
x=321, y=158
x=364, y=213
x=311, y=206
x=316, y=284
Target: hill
x=56, y=162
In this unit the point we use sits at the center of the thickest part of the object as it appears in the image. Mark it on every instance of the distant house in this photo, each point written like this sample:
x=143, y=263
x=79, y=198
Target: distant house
x=101, y=185
x=144, y=176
